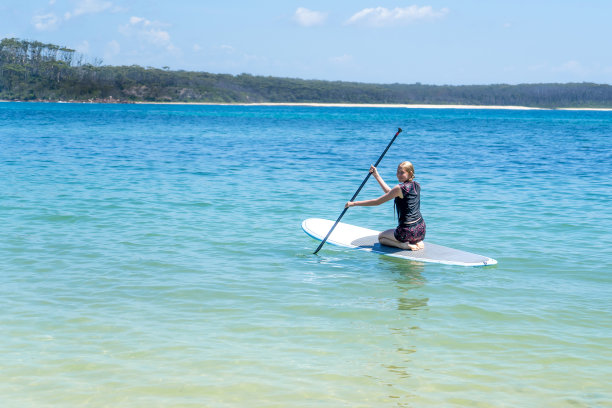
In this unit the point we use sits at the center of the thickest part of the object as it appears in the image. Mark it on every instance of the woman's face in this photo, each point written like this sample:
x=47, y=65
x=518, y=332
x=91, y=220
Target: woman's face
x=402, y=175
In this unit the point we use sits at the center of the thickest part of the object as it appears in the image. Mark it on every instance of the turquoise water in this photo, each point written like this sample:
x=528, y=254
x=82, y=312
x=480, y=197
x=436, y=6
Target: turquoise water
x=152, y=256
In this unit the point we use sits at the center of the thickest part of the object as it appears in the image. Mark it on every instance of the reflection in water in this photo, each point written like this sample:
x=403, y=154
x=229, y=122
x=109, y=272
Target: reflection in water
x=410, y=303
x=409, y=280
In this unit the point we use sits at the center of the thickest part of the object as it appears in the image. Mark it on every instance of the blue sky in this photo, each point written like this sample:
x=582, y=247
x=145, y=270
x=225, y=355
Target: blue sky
x=379, y=41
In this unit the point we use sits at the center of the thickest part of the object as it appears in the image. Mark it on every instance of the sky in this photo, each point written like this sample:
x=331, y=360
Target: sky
x=453, y=42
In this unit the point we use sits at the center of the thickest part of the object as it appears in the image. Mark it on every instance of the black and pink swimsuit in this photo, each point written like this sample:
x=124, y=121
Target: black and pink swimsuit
x=411, y=225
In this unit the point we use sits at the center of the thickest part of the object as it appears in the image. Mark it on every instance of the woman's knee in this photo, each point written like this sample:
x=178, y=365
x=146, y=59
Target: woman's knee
x=388, y=234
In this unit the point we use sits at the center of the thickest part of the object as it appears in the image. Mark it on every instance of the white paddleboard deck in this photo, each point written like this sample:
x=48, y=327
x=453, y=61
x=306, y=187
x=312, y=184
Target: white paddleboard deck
x=352, y=236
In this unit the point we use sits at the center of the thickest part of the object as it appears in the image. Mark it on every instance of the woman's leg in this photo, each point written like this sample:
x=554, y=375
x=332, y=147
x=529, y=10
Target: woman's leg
x=388, y=238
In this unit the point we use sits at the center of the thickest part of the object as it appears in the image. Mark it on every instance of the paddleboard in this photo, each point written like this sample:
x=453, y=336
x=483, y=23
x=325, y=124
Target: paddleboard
x=352, y=236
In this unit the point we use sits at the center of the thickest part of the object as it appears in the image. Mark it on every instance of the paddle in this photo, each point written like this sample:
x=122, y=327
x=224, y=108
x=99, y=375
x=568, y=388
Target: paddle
x=399, y=130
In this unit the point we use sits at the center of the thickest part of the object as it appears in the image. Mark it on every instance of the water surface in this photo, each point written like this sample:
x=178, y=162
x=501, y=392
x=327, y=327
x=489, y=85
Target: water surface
x=153, y=256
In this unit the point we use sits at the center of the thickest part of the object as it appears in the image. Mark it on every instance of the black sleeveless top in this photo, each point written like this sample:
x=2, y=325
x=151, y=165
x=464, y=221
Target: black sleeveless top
x=409, y=208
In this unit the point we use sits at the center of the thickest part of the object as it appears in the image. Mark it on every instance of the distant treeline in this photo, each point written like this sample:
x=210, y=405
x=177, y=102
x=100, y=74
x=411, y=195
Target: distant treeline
x=30, y=71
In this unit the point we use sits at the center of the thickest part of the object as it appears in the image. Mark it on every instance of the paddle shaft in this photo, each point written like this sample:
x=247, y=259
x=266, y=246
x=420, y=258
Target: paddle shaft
x=399, y=130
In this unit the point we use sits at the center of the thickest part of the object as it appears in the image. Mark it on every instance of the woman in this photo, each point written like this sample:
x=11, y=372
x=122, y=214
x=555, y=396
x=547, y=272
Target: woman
x=410, y=231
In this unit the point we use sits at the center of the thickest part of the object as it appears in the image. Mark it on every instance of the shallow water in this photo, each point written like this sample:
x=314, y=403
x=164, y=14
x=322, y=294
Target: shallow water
x=153, y=256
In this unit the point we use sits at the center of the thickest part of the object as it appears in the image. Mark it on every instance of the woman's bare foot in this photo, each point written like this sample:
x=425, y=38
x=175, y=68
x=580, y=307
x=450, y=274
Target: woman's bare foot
x=413, y=247
x=402, y=245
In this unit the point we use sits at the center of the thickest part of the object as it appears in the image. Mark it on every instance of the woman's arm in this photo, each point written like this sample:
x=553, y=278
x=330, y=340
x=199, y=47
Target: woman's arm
x=382, y=183
x=389, y=195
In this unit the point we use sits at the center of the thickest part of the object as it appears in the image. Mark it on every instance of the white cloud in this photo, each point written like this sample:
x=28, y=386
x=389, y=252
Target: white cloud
x=308, y=18
x=51, y=21
x=381, y=16
x=536, y=67
x=571, y=67
x=343, y=59
x=112, y=48
x=88, y=7
x=148, y=31
x=137, y=20
x=83, y=47
x=45, y=22
x=227, y=49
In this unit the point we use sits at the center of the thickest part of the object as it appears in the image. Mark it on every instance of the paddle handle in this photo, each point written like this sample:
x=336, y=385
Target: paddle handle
x=399, y=130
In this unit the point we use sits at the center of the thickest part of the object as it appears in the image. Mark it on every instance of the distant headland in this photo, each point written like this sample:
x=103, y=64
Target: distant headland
x=33, y=71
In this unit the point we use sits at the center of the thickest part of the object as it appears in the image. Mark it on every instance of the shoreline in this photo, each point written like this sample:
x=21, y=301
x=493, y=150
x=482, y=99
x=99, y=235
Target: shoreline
x=351, y=105
x=374, y=105
x=325, y=104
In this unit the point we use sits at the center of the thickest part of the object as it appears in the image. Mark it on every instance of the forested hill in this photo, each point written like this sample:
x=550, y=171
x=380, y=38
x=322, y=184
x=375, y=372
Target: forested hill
x=30, y=71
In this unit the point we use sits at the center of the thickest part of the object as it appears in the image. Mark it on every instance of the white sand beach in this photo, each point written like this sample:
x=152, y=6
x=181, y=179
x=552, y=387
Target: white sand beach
x=342, y=105
x=366, y=105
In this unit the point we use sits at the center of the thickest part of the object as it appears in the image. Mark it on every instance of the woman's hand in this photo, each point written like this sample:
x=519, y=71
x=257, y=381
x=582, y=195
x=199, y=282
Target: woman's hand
x=374, y=171
x=349, y=204
x=383, y=185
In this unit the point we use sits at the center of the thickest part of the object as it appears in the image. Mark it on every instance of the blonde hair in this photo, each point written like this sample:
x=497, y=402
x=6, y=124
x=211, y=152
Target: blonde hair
x=408, y=168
